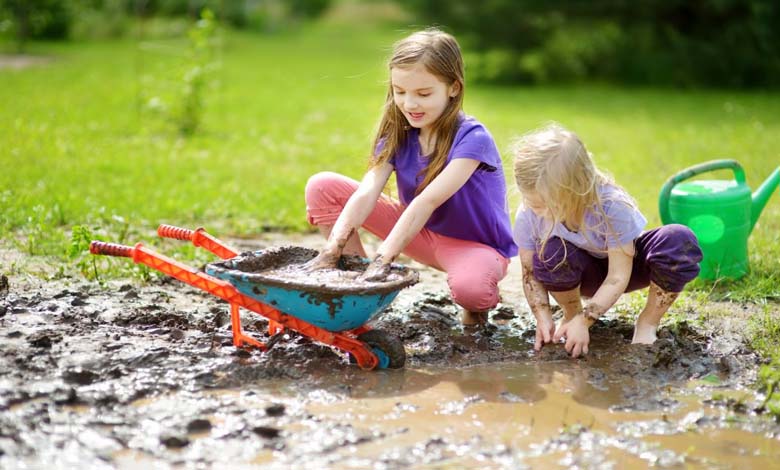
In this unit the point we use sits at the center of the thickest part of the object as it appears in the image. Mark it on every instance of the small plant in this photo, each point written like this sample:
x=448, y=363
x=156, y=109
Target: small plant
x=201, y=38
x=769, y=377
x=80, y=238
x=177, y=94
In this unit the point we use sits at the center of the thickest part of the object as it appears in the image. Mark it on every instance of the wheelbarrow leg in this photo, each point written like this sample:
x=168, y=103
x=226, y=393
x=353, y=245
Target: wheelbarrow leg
x=239, y=338
x=274, y=328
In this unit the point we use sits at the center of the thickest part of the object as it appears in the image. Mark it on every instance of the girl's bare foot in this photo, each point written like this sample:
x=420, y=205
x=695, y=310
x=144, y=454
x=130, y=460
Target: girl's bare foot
x=468, y=318
x=644, y=334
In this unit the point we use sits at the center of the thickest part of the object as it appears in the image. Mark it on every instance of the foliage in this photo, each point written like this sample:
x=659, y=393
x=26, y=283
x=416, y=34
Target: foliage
x=764, y=331
x=202, y=44
x=61, y=19
x=733, y=43
x=81, y=237
x=769, y=378
x=177, y=91
x=29, y=19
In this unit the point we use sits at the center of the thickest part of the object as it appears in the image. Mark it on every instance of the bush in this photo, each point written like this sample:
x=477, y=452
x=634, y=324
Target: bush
x=733, y=43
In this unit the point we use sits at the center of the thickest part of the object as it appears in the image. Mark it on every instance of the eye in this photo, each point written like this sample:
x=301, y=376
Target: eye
x=425, y=95
x=398, y=92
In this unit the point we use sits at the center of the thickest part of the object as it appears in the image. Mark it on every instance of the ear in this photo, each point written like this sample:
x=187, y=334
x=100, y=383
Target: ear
x=455, y=89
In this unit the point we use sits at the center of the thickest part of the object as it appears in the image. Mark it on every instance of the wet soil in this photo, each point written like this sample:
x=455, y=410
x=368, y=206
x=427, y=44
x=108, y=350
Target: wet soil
x=133, y=376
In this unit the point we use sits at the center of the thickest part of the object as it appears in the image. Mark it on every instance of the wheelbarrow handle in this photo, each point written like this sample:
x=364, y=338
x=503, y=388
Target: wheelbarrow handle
x=198, y=237
x=178, y=233
x=110, y=249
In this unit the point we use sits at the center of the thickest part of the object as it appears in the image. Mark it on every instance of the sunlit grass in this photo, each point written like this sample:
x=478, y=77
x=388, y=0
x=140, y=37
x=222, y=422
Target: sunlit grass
x=79, y=147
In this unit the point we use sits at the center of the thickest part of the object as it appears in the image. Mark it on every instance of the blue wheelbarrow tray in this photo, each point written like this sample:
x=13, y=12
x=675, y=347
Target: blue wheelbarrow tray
x=333, y=306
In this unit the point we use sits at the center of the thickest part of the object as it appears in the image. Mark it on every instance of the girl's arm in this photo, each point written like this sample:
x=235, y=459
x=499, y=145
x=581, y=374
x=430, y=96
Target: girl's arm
x=355, y=212
x=621, y=261
x=538, y=300
x=414, y=217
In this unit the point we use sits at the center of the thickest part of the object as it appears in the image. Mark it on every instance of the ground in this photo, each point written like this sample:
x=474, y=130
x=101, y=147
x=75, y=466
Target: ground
x=125, y=375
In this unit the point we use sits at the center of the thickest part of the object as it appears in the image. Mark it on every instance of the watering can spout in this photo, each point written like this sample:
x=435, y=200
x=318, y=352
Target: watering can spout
x=761, y=196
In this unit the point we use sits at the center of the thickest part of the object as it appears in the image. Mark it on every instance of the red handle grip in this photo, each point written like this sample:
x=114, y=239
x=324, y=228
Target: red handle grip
x=170, y=231
x=110, y=249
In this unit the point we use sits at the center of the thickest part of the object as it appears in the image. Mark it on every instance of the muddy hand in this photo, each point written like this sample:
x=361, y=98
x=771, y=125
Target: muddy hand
x=377, y=271
x=545, y=329
x=324, y=260
x=577, y=336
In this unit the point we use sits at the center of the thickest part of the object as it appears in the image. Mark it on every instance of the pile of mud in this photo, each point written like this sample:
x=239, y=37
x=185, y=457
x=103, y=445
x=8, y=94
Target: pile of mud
x=285, y=267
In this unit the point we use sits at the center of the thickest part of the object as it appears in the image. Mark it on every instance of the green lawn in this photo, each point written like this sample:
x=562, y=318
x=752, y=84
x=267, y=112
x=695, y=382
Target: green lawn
x=78, y=149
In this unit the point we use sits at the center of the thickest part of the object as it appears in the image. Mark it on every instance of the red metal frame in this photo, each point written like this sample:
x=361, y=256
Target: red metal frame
x=278, y=320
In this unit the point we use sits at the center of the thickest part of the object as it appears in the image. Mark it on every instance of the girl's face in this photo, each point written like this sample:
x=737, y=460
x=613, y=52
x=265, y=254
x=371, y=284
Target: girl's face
x=535, y=202
x=421, y=96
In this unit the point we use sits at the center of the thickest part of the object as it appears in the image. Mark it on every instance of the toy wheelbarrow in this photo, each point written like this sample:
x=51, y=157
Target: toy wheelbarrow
x=335, y=315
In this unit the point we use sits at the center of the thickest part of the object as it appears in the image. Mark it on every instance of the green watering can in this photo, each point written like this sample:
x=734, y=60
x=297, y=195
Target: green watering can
x=721, y=213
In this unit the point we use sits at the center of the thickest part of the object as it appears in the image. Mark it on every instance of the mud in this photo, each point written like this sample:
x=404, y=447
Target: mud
x=283, y=266
x=140, y=376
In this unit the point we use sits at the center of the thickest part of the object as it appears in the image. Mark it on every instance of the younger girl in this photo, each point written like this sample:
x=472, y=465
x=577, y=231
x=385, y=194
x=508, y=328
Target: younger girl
x=452, y=214
x=579, y=233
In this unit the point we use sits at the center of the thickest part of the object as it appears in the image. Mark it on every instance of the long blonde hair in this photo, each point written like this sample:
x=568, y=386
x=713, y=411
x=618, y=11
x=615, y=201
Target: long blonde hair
x=440, y=54
x=554, y=163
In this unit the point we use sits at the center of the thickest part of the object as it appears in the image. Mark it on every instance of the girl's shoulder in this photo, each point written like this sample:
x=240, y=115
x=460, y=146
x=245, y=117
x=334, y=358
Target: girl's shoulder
x=472, y=129
x=611, y=195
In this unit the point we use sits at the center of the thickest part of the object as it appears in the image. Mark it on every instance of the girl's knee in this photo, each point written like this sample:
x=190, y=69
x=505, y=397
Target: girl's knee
x=674, y=259
x=326, y=195
x=553, y=254
x=318, y=186
x=474, y=293
x=555, y=268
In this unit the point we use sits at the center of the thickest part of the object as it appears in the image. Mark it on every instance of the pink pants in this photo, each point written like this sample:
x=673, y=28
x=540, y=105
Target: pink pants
x=473, y=269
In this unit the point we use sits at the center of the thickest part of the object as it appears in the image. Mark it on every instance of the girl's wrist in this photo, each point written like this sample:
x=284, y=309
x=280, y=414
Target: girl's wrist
x=543, y=312
x=589, y=315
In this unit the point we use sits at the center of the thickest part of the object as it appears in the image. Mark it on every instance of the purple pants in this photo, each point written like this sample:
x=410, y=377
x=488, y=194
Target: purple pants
x=668, y=255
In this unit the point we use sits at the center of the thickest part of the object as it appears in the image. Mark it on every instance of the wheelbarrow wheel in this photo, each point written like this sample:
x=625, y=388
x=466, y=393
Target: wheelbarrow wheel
x=388, y=344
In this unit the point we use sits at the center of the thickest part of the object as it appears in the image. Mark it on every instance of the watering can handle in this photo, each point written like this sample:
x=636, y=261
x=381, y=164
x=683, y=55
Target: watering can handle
x=666, y=190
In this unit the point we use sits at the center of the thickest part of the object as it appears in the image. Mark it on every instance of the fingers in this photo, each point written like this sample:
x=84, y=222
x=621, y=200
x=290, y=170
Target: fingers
x=559, y=333
x=543, y=336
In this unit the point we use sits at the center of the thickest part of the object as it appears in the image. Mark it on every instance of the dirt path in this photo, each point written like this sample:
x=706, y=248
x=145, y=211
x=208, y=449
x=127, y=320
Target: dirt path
x=129, y=376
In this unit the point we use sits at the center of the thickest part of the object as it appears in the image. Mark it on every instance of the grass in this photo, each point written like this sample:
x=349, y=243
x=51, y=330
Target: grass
x=81, y=149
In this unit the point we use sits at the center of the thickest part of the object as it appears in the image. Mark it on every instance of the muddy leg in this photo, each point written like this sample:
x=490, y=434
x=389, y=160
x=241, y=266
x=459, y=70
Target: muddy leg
x=658, y=302
x=353, y=245
x=570, y=301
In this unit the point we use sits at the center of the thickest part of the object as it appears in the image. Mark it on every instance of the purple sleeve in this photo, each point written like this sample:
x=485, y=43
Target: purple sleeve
x=523, y=230
x=626, y=223
x=476, y=143
x=379, y=146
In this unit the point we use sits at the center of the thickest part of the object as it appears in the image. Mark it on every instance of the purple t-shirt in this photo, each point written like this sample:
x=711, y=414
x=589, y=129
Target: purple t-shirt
x=478, y=211
x=625, y=224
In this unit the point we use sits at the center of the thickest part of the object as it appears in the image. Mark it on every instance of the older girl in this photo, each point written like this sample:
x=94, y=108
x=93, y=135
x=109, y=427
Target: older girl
x=452, y=214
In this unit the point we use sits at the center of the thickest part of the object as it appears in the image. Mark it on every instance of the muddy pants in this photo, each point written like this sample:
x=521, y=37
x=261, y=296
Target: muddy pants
x=668, y=255
x=473, y=269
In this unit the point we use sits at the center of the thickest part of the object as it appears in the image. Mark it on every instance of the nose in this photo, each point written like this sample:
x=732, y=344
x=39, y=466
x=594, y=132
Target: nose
x=409, y=102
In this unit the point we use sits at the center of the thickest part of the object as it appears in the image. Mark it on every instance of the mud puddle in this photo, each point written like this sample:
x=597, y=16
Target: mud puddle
x=129, y=376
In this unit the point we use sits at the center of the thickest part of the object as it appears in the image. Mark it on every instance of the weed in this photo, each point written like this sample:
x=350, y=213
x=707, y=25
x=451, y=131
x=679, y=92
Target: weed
x=81, y=237
x=202, y=45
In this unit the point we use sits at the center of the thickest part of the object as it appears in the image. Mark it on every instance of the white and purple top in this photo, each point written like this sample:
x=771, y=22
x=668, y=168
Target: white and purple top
x=478, y=211
x=596, y=236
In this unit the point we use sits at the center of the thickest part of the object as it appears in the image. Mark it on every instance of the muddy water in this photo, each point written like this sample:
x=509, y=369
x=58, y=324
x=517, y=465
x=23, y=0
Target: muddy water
x=128, y=376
